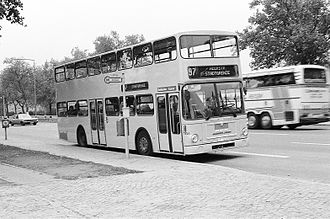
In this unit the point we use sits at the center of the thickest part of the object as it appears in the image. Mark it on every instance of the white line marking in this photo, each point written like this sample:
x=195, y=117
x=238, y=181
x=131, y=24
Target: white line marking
x=261, y=155
x=310, y=143
x=265, y=133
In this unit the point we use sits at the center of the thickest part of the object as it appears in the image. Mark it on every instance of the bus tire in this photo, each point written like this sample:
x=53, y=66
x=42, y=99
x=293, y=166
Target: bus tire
x=253, y=121
x=143, y=143
x=266, y=121
x=81, y=137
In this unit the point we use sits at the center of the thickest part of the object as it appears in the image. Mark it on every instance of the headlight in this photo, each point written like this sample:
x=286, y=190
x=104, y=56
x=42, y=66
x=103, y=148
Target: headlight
x=194, y=138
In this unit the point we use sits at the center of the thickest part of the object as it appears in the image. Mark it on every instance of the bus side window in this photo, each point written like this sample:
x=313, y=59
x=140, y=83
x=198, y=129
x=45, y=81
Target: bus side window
x=109, y=62
x=81, y=69
x=142, y=55
x=82, y=108
x=112, y=106
x=69, y=71
x=72, y=108
x=165, y=50
x=124, y=58
x=59, y=74
x=93, y=66
x=61, y=109
x=144, y=105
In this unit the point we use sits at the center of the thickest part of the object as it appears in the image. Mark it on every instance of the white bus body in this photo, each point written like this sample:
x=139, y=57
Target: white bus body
x=157, y=76
x=291, y=96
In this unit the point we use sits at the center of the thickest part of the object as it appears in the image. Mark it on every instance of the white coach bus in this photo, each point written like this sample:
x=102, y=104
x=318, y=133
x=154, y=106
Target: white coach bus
x=291, y=96
x=185, y=94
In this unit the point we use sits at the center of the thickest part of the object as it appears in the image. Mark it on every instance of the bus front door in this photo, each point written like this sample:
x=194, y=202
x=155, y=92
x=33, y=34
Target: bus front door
x=97, y=121
x=169, y=126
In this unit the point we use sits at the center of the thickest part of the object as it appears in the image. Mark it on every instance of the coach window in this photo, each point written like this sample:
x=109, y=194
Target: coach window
x=93, y=66
x=142, y=55
x=112, y=106
x=72, y=108
x=59, y=74
x=129, y=103
x=61, y=109
x=144, y=105
x=109, y=62
x=124, y=58
x=69, y=71
x=81, y=69
x=82, y=108
x=165, y=50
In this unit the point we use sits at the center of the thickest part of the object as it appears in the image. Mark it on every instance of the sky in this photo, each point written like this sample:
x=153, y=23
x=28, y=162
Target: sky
x=55, y=27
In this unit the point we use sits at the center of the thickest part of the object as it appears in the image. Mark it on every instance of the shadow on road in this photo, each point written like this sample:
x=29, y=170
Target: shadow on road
x=198, y=158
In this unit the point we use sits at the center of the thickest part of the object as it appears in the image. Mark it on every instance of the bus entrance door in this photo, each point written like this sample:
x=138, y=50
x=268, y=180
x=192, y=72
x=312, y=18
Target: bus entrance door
x=97, y=121
x=169, y=123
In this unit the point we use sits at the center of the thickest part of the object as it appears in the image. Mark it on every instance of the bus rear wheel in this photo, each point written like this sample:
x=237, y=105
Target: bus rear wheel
x=253, y=121
x=143, y=143
x=266, y=121
x=81, y=137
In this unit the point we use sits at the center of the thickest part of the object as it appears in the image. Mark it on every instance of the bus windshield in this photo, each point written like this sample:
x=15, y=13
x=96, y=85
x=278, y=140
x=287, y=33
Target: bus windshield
x=212, y=100
x=205, y=46
x=314, y=75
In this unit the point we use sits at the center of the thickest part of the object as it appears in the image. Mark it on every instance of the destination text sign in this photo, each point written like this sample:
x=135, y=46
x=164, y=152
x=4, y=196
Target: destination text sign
x=196, y=72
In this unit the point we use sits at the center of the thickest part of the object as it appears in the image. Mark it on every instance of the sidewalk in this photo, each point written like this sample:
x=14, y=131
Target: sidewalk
x=166, y=188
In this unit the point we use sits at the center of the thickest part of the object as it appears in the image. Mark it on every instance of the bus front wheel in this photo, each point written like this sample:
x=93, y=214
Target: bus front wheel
x=81, y=137
x=266, y=121
x=143, y=143
x=253, y=121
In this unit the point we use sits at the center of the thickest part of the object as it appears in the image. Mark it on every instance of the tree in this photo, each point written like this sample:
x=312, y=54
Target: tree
x=45, y=86
x=11, y=11
x=287, y=32
x=111, y=42
x=17, y=84
x=78, y=54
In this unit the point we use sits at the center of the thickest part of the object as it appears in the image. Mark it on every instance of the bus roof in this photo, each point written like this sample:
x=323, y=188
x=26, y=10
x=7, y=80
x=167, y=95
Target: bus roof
x=196, y=32
x=279, y=70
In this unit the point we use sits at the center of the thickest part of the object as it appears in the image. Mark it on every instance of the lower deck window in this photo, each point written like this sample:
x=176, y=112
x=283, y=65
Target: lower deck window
x=144, y=105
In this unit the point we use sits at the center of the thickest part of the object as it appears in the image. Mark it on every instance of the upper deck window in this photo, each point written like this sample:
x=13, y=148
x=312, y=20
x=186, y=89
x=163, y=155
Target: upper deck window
x=165, y=50
x=109, y=62
x=205, y=46
x=124, y=58
x=81, y=69
x=142, y=55
x=59, y=74
x=93, y=65
x=69, y=71
x=314, y=75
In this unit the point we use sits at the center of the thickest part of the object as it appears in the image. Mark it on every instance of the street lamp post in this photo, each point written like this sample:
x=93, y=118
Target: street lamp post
x=34, y=81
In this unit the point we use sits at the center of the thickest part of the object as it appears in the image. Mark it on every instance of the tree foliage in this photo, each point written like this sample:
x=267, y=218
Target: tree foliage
x=111, y=42
x=17, y=84
x=11, y=11
x=287, y=32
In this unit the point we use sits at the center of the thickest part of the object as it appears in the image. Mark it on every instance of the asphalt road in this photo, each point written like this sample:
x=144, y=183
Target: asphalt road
x=303, y=153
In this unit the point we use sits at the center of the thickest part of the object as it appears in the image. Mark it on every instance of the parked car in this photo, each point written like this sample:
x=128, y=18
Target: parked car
x=23, y=119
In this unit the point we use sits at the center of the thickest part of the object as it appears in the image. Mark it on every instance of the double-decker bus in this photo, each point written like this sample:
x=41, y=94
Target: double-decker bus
x=291, y=96
x=184, y=93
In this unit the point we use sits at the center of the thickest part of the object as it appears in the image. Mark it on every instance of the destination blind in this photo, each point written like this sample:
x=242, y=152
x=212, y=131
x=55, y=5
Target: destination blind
x=196, y=72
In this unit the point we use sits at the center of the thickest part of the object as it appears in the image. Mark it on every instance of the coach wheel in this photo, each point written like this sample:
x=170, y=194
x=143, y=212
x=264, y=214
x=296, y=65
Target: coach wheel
x=81, y=137
x=292, y=126
x=252, y=121
x=266, y=121
x=143, y=143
